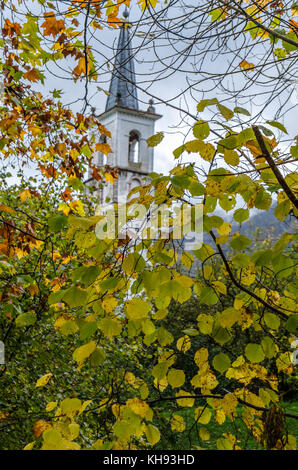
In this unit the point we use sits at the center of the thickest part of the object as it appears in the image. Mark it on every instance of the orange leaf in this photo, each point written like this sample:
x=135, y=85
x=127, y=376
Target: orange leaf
x=40, y=426
x=24, y=195
x=52, y=26
x=103, y=148
x=5, y=208
x=109, y=178
x=246, y=65
x=32, y=75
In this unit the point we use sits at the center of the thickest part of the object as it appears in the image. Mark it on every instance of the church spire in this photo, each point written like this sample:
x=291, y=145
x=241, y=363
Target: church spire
x=123, y=91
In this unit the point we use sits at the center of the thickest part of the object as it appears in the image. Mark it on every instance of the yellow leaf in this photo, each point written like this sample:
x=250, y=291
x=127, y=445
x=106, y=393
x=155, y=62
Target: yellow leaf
x=246, y=65
x=228, y=317
x=51, y=405
x=204, y=434
x=202, y=415
x=25, y=195
x=109, y=178
x=184, y=401
x=161, y=384
x=225, y=228
x=146, y=3
x=129, y=378
x=43, y=380
x=29, y=446
x=138, y=407
x=137, y=309
x=83, y=352
x=184, y=344
x=176, y=378
x=177, y=423
x=109, y=303
x=201, y=357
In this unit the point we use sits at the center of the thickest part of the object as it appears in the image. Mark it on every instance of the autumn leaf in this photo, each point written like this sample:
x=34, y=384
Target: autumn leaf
x=32, y=75
x=42, y=381
x=51, y=26
x=40, y=426
x=246, y=65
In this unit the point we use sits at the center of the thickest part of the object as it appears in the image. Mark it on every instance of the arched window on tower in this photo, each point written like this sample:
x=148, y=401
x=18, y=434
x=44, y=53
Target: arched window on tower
x=134, y=147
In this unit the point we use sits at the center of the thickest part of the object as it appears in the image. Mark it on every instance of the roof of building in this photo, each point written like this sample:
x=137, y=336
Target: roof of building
x=123, y=90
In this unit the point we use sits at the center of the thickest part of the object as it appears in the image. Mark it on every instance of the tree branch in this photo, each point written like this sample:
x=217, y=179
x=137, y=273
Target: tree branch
x=240, y=286
x=273, y=167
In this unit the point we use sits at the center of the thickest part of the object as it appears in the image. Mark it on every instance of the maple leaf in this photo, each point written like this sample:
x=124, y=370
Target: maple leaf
x=80, y=69
x=49, y=171
x=10, y=29
x=32, y=75
x=109, y=178
x=25, y=194
x=52, y=26
x=103, y=148
x=66, y=195
x=96, y=174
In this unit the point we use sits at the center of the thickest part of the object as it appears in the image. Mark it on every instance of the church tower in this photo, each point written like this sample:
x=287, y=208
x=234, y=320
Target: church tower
x=129, y=126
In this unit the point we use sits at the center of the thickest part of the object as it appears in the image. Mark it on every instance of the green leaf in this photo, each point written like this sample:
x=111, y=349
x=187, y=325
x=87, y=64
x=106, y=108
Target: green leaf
x=160, y=370
x=176, y=378
x=208, y=296
x=57, y=222
x=208, y=102
x=196, y=189
x=110, y=327
x=225, y=112
x=230, y=142
x=263, y=200
x=155, y=139
x=272, y=321
x=231, y=157
x=87, y=329
x=164, y=337
x=254, y=353
x=86, y=274
x=262, y=257
x=240, y=110
x=240, y=215
x=25, y=319
x=240, y=242
x=205, y=323
x=56, y=297
x=85, y=239
x=152, y=434
x=269, y=347
x=294, y=151
x=97, y=357
x=83, y=352
x=221, y=362
x=201, y=130
x=177, y=152
x=292, y=324
x=75, y=296
x=282, y=210
x=278, y=125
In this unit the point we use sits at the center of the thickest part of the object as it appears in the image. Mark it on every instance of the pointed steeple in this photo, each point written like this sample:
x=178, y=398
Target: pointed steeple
x=123, y=91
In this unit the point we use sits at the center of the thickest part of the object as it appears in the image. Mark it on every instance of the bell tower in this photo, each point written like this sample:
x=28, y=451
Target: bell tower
x=129, y=126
